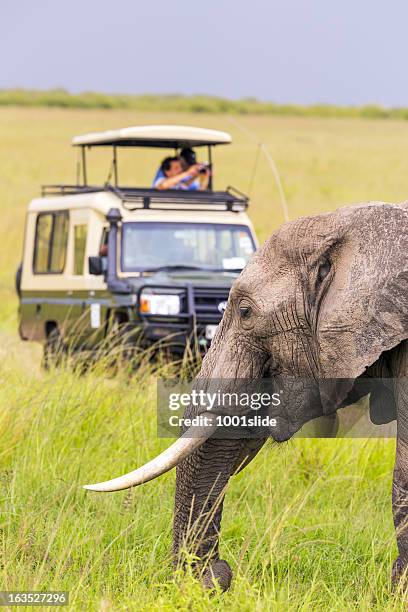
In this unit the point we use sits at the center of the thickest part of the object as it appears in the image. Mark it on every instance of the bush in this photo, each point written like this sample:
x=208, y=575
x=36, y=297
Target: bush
x=189, y=104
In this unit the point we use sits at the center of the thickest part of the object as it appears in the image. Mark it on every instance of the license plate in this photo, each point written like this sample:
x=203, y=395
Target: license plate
x=210, y=331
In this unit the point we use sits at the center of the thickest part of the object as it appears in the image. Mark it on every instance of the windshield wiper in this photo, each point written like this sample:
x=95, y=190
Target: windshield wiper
x=169, y=268
x=227, y=269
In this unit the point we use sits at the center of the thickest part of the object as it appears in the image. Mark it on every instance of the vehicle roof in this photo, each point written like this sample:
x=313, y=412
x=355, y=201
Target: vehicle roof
x=103, y=201
x=160, y=136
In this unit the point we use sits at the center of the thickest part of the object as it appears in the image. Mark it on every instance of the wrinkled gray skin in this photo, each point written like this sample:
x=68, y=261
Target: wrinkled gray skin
x=325, y=297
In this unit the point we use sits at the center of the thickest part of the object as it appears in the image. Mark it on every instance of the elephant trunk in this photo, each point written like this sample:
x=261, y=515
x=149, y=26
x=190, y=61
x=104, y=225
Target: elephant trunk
x=201, y=483
x=200, y=489
x=202, y=477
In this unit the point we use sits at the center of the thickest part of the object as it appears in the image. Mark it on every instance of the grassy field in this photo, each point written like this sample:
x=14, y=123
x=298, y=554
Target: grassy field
x=307, y=526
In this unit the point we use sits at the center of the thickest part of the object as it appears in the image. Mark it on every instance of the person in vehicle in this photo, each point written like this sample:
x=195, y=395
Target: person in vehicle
x=172, y=176
x=184, y=172
x=188, y=160
x=103, y=251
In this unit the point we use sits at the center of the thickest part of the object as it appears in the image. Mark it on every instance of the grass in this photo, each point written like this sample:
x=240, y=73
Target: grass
x=307, y=526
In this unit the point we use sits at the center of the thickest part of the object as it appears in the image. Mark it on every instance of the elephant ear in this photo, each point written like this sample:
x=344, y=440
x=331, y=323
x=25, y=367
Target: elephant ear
x=363, y=310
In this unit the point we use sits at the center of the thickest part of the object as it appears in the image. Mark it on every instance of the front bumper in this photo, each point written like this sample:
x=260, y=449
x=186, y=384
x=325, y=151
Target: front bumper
x=200, y=312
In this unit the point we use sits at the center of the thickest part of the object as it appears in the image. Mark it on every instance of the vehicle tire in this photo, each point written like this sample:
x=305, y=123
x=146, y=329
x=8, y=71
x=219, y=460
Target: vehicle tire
x=123, y=348
x=53, y=350
x=18, y=280
x=82, y=361
x=121, y=341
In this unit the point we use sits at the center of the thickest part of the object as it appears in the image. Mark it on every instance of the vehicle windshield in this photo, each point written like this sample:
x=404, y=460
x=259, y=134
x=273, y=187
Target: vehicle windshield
x=151, y=246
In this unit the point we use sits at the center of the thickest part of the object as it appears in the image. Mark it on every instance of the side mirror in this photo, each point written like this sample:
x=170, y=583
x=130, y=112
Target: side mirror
x=96, y=266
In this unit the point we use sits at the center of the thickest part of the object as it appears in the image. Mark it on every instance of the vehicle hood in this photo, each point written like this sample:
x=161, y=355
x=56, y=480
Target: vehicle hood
x=181, y=277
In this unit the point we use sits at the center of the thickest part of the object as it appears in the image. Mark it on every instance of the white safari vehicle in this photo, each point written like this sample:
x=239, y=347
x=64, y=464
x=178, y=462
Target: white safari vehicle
x=156, y=262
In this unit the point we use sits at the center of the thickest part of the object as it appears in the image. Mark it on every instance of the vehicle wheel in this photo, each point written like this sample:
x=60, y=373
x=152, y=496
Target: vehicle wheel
x=123, y=347
x=82, y=361
x=54, y=350
x=18, y=279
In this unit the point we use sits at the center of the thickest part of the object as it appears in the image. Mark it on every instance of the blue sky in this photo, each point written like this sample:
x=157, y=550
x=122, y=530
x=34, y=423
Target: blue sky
x=300, y=51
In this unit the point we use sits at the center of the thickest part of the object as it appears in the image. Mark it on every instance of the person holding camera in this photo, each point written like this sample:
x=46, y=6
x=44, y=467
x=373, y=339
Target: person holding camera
x=189, y=162
x=182, y=172
x=172, y=176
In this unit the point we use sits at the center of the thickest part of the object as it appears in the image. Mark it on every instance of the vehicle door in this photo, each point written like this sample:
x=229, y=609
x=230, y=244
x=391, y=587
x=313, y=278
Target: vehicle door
x=88, y=292
x=43, y=277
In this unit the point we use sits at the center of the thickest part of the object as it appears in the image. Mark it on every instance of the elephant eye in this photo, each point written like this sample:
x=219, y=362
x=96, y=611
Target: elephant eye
x=323, y=270
x=244, y=311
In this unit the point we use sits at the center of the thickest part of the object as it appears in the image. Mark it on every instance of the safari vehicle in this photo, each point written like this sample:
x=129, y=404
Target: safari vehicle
x=156, y=262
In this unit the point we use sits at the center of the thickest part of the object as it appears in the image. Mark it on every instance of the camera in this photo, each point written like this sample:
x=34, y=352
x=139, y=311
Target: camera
x=204, y=167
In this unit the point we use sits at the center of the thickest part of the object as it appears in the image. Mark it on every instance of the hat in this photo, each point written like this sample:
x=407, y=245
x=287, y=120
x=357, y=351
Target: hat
x=189, y=155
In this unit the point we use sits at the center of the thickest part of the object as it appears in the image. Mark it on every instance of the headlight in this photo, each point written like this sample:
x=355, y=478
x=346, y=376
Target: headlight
x=159, y=304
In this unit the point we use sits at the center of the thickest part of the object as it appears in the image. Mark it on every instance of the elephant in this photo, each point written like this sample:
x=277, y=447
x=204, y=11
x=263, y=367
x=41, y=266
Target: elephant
x=325, y=299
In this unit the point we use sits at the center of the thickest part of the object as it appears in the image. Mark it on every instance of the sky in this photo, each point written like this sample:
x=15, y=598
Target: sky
x=287, y=51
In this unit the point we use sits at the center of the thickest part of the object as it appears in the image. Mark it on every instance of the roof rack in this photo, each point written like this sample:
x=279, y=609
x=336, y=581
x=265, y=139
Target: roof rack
x=175, y=199
x=134, y=198
x=57, y=190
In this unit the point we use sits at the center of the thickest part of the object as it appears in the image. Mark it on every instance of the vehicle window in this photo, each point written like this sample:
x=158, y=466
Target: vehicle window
x=103, y=249
x=80, y=234
x=42, y=243
x=59, y=243
x=51, y=239
x=205, y=246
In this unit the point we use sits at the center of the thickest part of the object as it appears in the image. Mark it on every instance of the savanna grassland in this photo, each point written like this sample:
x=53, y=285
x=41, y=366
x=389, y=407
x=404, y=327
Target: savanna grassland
x=307, y=526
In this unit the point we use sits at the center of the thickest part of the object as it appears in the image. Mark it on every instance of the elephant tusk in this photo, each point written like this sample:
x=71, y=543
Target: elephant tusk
x=168, y=459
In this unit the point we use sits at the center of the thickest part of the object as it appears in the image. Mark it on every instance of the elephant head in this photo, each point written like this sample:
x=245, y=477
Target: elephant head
x=321, y=301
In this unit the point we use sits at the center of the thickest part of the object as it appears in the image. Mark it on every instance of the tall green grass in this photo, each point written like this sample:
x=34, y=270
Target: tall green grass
x=190, y=104
x=307, y=526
